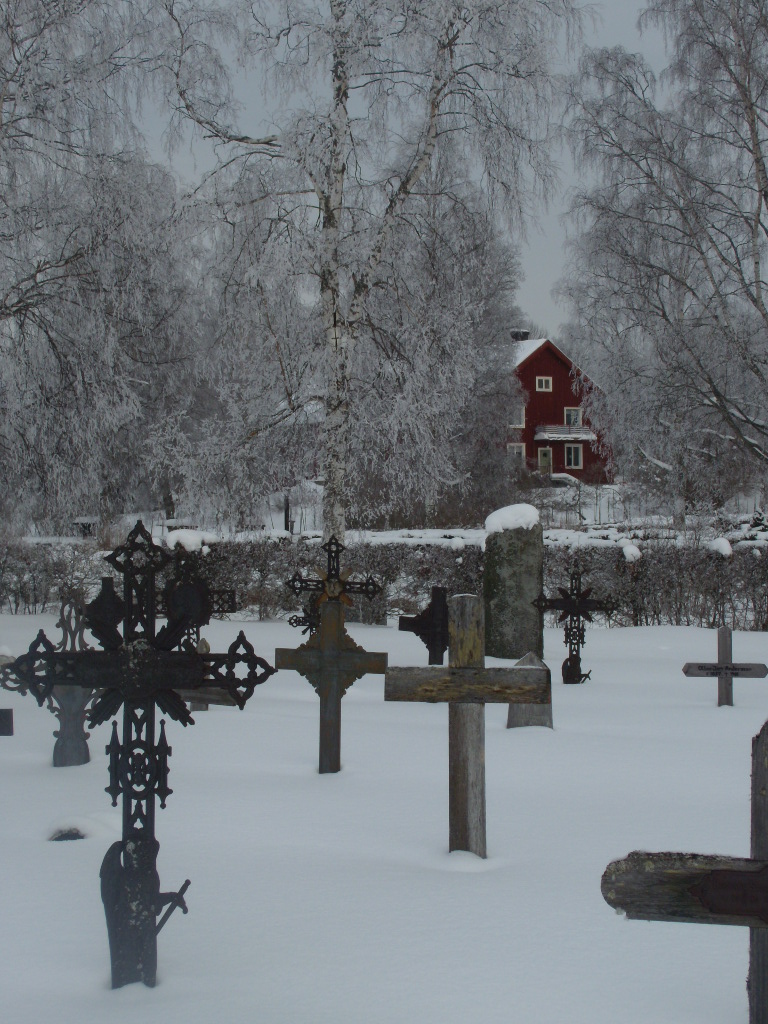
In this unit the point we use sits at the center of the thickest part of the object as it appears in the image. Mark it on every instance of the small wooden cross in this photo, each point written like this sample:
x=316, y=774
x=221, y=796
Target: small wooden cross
x=331, y=661
x=467, y=686
x=704, y=889
x=725, y=668
x=431, y=625
x=575, y=605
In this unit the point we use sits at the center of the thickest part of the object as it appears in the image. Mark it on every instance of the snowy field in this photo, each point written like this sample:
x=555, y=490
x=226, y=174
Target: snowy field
x=333, y=899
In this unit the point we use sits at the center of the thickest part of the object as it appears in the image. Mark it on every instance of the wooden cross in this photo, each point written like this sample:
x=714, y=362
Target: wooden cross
x=725, y=668
x=575, y=605
x=138, y=670
x=466, y=685
x=431, y=625
x=704, y=889
x=331, y=661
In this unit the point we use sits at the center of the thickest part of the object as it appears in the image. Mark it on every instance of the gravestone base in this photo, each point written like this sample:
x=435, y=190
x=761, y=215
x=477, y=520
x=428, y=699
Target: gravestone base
x=6, y=721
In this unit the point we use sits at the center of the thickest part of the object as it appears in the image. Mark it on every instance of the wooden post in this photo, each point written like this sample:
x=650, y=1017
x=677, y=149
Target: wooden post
x=466, y=731
x=757, y=979
x=724, y=657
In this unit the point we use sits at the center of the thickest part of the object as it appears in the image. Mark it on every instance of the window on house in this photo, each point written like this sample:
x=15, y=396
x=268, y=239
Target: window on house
x=516, y=452
x=573, y=456
x=543, y=383
x=517, y=417
x=573, y=417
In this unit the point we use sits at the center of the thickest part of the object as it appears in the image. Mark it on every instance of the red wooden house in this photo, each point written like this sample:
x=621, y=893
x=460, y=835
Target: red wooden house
x=550, y=433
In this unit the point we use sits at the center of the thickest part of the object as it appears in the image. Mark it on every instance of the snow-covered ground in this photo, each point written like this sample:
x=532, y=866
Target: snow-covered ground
x=333, y=899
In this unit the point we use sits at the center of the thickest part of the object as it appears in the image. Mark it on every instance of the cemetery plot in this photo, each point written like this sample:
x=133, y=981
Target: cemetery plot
x=724, y=669
x=138, y=671
x=702, y=889
x=330, y=660
x=466, y=685
x=576, y=607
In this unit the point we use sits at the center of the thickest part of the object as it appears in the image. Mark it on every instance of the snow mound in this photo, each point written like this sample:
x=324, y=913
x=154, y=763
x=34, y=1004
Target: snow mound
x=190, y=540
x=632, y=552
x=513, y=517
x=722, y=546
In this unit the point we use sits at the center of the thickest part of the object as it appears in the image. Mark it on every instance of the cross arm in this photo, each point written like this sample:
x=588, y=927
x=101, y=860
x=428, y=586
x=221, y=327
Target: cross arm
x=515, y=685
x=742, y=670
x=688, y=887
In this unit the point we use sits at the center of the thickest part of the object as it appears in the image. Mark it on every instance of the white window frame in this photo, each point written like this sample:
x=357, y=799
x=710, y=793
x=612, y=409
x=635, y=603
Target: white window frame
x=577, y=449
x=572, y=423
x=540, y=461
x=517, y=421
x=544, y=384
x=516, y=450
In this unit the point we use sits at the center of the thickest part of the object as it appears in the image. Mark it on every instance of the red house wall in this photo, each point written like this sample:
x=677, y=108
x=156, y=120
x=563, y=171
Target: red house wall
x=548, y=408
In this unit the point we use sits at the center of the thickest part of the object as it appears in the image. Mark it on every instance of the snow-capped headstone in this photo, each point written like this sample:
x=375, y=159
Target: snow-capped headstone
x=513, y=577
x=6, y=714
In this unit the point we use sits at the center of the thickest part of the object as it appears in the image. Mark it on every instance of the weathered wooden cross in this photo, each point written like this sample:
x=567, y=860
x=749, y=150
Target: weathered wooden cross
x=704, y=889
x=330, y=659
x=431, y=625
x=138, y=670
x=576, y=606
x=725, y=668
x=467, y=686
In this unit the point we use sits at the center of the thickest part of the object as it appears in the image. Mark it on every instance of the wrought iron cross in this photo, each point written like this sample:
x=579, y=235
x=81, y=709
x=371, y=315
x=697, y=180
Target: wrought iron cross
x=576, y=606
x=330, y=659
x=138, y=670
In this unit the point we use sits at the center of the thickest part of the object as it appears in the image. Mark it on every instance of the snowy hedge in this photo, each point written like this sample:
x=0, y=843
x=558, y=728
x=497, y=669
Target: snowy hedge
x=668, y=584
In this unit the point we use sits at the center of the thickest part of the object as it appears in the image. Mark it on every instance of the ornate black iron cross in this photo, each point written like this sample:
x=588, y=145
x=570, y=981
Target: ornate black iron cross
x=575, y=605
x=138, y=670
x=330, y=659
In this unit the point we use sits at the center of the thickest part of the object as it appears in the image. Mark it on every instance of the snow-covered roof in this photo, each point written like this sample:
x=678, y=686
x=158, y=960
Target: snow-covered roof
x=523, y=349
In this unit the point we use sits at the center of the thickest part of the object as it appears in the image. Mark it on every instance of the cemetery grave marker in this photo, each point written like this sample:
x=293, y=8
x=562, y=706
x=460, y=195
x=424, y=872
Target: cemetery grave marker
x=6, y=714
x=725, y=669
x=139, y=671
x=430, y=625
x=466, y=685
x=575, y=606
x=704, y=889
x=330, y=659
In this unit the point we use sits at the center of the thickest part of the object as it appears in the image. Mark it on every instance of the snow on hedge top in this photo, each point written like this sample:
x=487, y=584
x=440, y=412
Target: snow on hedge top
x=513, y=517
x=722, y=545
x=190, y=540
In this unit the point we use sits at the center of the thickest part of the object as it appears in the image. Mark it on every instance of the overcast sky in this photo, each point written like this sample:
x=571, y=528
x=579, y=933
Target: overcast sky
x=543, y=256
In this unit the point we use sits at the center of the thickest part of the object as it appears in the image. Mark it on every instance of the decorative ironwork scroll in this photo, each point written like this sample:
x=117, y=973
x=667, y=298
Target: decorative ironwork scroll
x=575, y=607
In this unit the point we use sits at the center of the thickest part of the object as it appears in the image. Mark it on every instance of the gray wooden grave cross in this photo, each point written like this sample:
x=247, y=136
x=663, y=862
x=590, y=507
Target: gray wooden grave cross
x=467, y=686
x=725, y=668
x=705, y=889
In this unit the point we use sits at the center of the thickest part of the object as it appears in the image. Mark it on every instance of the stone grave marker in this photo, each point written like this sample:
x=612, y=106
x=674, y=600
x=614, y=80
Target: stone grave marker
x=575, y=607
x=706, y=889
x=467, y=686
x=513, y=576
x=6, y=714
x=330, y=659
x=725, y=669
x=139, y=671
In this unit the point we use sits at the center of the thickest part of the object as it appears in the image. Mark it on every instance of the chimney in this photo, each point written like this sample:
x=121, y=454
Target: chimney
x=519, y=335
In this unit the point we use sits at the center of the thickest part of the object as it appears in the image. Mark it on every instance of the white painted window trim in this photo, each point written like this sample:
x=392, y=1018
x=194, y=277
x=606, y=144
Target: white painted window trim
x=516, y=449
x=576, y=409
x=544, y=384
x=518, y=425
x=579, y=449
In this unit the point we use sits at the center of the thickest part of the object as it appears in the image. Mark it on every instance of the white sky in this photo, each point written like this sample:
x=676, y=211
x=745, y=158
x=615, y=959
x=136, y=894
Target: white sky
x=543, y=255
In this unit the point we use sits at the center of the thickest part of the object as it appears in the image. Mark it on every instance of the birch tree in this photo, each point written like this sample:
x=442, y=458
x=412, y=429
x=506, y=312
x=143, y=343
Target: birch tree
x=668, y=275
x=363, y=95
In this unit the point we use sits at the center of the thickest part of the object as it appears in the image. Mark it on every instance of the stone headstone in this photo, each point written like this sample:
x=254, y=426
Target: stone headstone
x=513, y=577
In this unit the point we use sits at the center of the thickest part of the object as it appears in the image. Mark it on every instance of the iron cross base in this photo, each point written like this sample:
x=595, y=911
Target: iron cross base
x=130, y=892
